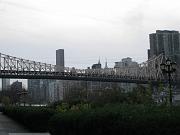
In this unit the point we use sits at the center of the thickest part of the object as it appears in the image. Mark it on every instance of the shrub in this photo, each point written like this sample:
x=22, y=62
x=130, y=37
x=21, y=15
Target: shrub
x=34, y=118
x=118, y=119
x=111, y=119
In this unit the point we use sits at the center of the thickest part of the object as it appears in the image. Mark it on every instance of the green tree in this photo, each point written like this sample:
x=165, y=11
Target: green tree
x=162, y=98
x=140, y=95
x=5, y=101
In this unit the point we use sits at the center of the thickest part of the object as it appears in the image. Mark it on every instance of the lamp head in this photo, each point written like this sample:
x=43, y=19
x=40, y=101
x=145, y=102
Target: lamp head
x=163, y=67
x=173, y=66
x=168, y=62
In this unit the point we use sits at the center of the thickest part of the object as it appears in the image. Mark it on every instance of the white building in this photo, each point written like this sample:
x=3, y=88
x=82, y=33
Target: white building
x=126, y=62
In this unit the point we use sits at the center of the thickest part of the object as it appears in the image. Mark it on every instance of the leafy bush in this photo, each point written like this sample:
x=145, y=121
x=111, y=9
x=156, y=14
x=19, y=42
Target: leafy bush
x=111, y=119
x=118, y=119
x=34, y=118
x=1, y=108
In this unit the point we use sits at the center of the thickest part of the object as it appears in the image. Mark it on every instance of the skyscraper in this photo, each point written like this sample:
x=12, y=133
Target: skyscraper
x=16, y=86
x=60, y=60
x=167, y=42
x=5, y=84
x=59, y=89
x=44, y=91
x=39, y=90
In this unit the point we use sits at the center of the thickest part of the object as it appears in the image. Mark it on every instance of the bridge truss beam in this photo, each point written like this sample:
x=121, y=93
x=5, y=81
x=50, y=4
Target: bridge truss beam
x=13, y=67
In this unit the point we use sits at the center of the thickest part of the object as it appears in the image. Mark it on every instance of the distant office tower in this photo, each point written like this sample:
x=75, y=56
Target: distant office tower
x=60, y=60
x=126, y=62
x=34, y=90
x=44, y=91
x=5, y=84
x=16, y=86
x=56, y=90
x=39, y=90
x=59, y=85
x=167, y=42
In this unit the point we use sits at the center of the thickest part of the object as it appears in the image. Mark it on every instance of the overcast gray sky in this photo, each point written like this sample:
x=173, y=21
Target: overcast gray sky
x=86, y=29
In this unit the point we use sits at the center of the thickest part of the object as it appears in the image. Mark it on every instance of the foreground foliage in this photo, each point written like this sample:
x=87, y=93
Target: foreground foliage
x=114, y=119
x=34, y=118
x=118, y=119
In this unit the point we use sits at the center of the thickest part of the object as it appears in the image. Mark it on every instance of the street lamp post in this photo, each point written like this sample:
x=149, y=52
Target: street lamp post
x=169, y=67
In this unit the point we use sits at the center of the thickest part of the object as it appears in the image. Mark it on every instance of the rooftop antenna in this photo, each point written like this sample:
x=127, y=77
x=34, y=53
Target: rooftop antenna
x=99, y=62
x=106, y=66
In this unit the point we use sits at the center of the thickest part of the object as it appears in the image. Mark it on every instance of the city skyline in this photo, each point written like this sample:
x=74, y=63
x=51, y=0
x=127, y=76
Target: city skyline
x=84, y=29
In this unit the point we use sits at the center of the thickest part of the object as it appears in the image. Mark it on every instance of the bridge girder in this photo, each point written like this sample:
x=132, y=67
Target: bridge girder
x=13, y=67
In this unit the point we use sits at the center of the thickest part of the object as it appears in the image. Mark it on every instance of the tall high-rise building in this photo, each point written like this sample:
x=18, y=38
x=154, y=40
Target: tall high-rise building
x=44, y=91
x=59, y=84
x=16, y=86
x=60, y=60
x=56, y=89
x=5, y=84
x=167, y=42
x=60, y=64
x=39, y=90
x=34, y=90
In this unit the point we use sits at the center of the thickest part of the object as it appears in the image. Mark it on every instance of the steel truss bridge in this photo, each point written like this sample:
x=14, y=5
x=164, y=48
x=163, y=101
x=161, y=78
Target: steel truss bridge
x=149, y=71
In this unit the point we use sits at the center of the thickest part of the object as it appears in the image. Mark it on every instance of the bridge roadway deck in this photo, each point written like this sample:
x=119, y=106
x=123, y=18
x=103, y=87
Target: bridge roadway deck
x=70, y=76
x=77, y=77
